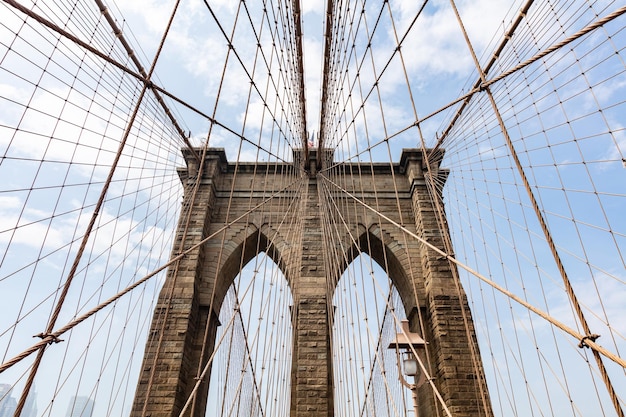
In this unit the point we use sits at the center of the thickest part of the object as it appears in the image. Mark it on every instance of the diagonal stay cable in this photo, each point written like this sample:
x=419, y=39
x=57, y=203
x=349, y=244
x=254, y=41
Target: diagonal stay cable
x=120, y=36
x=482, y=84
x=94, y=216
x=125, y=69
x=583, y=339
x=53, y=336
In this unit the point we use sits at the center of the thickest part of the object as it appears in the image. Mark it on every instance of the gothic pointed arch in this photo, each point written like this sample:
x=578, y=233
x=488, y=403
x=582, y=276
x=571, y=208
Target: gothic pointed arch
x=256, y=327
x=388, y=248
x=241, y=245
x=227, y=232
x=367, y=306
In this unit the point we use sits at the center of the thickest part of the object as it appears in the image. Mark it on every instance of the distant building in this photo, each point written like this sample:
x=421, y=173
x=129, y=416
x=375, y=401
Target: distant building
x=7, y=403
x=79, y=406
x=30, y=407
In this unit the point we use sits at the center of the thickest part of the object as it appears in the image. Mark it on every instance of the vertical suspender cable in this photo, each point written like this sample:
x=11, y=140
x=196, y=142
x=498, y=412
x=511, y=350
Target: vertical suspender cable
x=120, y=36
x=90, y=226
x=544, y=226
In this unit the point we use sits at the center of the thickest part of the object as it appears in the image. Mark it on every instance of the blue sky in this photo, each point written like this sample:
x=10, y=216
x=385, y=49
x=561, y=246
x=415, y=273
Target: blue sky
x=564, y=115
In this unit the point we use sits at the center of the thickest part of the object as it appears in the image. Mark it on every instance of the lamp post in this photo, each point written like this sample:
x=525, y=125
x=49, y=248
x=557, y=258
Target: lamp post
x=406, y=343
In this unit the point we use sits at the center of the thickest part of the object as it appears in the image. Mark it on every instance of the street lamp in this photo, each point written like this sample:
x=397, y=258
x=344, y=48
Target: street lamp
x=403, y=343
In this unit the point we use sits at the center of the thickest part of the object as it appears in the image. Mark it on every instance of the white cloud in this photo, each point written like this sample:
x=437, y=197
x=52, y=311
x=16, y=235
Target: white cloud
x=30, y=226
x=255, y=116
x=312, y=7
x=9, y=202
x=486, y=151
x=11, y=92
x=436, y=45
x=603, y=298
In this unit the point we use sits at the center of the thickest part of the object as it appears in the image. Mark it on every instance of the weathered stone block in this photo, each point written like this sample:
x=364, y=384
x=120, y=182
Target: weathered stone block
x=423, y=277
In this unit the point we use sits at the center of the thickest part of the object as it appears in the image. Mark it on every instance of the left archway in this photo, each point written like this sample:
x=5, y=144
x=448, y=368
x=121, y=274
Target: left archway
x=220, y=230
x=250, y=374
x=176, y=371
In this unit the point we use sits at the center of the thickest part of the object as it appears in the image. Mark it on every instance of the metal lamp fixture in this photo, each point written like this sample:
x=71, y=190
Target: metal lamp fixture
x=406, y=343
x=411, y=368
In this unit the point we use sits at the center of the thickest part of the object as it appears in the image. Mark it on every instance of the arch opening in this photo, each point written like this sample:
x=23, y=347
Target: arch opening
x=255, y=242
x=367, y=305
x=391, y=256
x=250, y=374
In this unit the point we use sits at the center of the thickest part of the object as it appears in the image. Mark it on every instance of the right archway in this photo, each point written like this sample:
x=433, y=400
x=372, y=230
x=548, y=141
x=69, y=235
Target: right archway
x=365, y=371
x=383, y=282
x=428, y=291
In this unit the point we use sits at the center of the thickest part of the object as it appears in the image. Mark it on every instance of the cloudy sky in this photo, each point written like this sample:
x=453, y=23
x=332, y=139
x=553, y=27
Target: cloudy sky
x=62, y=116
x=435, y=57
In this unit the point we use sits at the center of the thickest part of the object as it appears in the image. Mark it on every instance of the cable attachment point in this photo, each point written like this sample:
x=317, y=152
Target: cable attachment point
x=583, y=343
x=53, y=338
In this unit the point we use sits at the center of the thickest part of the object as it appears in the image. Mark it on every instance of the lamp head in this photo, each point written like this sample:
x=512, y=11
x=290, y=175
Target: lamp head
x=405, y=339
x=405, y=342
x=411, y=368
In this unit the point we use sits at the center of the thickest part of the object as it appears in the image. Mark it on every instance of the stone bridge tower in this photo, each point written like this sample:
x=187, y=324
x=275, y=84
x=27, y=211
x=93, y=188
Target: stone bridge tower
x=185, y=318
